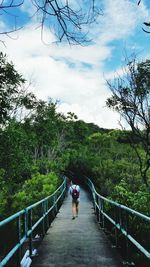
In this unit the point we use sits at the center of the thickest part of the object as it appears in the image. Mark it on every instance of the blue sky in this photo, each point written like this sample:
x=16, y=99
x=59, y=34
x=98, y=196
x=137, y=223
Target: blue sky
x=76, y=75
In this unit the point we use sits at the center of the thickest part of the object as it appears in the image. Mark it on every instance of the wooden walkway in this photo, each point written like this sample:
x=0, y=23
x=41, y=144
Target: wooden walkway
x=79, y=242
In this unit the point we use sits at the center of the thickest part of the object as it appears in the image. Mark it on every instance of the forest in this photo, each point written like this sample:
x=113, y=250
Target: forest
x=38, y=145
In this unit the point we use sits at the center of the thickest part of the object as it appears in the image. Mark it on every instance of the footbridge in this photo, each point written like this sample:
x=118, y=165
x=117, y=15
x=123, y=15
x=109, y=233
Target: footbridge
x=46, y=235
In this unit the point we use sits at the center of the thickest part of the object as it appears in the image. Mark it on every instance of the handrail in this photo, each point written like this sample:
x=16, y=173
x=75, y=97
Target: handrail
x=26, y=223
x=118, y=218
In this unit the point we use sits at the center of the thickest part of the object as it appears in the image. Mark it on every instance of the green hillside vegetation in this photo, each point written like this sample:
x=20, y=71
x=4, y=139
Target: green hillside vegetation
x=38, y=145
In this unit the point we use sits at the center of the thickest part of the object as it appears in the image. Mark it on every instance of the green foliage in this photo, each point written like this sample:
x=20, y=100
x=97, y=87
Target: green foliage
x=3, y=193
x=141, y=200
x=137, y=201
x=10, y=80
x=131, y=99
x=15, y=153
x=37, y=150
x=37, y=188
x=122, y=195
x=13, y=95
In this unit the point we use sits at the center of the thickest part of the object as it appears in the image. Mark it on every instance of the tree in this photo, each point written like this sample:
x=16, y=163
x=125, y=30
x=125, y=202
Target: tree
x=47, y=131
x=66, y=19
x=13, y=94
x=131, y=99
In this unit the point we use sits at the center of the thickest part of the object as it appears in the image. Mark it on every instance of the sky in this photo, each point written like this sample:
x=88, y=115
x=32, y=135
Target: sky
x=76, y=75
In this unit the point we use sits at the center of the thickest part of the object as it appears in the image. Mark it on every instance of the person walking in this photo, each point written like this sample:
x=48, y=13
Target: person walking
x=75, y=193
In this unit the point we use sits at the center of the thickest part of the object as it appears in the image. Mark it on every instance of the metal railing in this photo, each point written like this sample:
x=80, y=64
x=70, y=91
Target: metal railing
x=124, y=221
x=25, y=224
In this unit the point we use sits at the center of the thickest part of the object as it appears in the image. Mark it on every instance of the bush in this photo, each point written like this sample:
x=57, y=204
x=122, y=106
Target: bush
x=33, y=190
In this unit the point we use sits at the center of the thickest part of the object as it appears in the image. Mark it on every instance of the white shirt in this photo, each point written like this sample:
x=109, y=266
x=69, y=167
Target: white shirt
x=74, y=186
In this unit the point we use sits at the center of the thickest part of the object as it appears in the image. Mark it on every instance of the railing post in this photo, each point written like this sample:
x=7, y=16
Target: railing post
x=103, y=217
x=19, y=238
x=47, y=218
x=127, y=242
x=97, y=209
x=30, y=229
x=116, y=222
x=94, y=198
x=128, y=254
x=65, y=188
x=100, y=211
x=56, y=206
x=26, y=222
x=53, y=210
x=43, y=221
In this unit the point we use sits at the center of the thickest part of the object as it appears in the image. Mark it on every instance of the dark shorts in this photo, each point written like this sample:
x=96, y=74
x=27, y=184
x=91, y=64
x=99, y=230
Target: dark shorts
x=75, y=201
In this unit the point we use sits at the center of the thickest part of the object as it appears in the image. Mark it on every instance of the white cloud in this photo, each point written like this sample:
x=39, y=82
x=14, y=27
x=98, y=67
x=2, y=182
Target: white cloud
x=74, y=74
x=80, y=90
x=120, y=20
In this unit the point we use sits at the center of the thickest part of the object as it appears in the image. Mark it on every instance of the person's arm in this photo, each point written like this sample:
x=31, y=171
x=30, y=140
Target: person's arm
x=70, y=190
x=78, y=188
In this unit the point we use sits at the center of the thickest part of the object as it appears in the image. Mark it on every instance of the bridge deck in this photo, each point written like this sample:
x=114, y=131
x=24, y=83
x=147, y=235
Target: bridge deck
x=76, y=242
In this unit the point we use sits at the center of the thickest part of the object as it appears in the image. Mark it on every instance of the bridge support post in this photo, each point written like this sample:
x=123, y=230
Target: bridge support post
x=19, y=237
x=103, y=217
x=128, y=253
x=56, y=206
x=99, y=212
x=53, y=209
x=30, y=236
x=43, y=221
x=47, y=217
x=116, y=230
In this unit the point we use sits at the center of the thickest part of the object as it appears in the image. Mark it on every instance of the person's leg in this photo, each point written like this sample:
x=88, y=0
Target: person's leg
x=73, y=210
x=77, y=208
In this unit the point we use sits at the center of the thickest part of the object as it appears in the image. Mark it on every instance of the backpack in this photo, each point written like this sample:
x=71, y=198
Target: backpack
x=75, y=193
